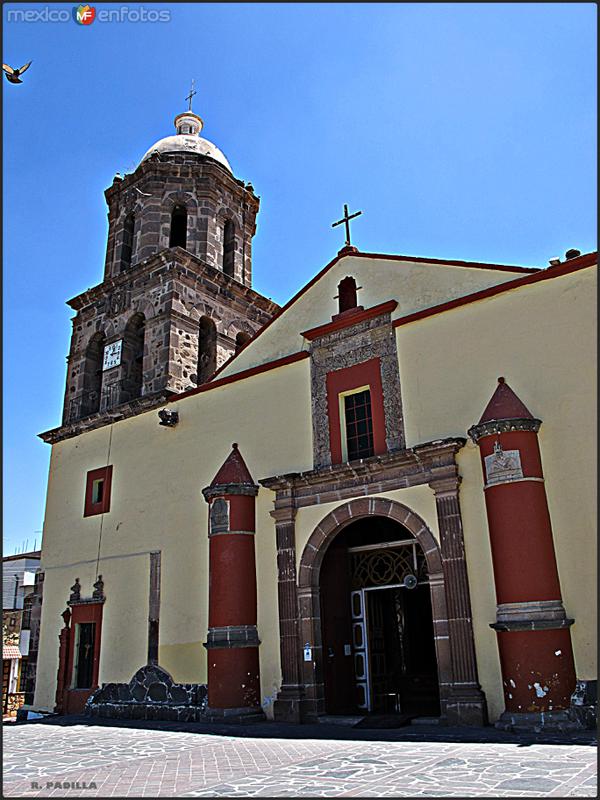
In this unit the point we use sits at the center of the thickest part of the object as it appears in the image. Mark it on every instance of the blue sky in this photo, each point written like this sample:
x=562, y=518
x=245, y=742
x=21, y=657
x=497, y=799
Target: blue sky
x=460, y=130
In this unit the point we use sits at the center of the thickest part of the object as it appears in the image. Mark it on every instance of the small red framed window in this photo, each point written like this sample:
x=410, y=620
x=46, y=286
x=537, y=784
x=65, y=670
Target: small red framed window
x=356, y=413
x=97, y=491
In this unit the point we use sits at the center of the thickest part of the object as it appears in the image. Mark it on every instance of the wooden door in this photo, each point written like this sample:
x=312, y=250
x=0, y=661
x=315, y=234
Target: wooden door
x=336, y=632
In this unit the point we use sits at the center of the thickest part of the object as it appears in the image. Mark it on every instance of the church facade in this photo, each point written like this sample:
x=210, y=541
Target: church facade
x=379, y=498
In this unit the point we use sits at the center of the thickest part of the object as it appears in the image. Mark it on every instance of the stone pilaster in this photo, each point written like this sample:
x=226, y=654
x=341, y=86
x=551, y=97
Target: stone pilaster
x=287, y=707
x=466, y=703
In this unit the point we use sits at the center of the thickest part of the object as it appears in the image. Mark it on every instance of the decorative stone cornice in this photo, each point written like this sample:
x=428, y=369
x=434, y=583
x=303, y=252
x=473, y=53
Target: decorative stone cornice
x=173, y=259
x=221, y=489
x=232, y=636
x=341, y=321
x=496, y=426
x=531, y=615
x=162, y=168
x=532, y=625
x=115, y=414
x=430, y=463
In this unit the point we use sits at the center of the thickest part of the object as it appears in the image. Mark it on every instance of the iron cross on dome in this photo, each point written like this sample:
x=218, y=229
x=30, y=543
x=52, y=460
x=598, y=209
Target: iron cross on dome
x=346, y=219
x=190, y=96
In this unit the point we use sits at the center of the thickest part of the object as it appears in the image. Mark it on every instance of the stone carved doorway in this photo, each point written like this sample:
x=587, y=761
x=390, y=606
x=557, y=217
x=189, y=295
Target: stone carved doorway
x=317, y=630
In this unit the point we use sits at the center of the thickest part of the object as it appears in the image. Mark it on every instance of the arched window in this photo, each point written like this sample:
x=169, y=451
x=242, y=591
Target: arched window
x=92, y=376
x=127, y=244
x=240, y=340
x=207, y=349
x=178, y=234
x=347, y=294
x=133, y=358
x=229, y=248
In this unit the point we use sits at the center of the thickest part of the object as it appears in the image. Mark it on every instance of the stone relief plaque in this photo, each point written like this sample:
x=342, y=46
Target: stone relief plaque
x=502, y=466
x=219, y=516
x=117, y=302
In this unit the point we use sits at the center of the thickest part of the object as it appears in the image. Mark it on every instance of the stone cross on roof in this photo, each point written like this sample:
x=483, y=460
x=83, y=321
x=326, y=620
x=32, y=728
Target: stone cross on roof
x=346, y=219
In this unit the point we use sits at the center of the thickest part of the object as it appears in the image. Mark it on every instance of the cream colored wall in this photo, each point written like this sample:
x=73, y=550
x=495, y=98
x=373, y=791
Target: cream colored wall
x=542, y=339
x=480, y=576
x=268, y=607
x=157, y=504
x=538, y=337
x=419, y=499
x=414, y=285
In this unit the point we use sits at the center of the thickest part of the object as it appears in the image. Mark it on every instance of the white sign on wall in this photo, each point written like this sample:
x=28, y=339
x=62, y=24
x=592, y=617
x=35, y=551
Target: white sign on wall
x=112, y=355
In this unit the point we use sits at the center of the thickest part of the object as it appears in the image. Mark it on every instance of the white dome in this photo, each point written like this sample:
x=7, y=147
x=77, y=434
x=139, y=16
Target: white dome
x=180, y=143
x=188, y=140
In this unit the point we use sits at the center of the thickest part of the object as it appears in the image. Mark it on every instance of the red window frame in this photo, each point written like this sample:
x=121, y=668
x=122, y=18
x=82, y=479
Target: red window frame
x=346, y=380
x=90, y=508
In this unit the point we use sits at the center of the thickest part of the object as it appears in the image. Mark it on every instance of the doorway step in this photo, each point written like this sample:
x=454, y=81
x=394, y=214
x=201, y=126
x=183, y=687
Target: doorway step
x=381, y=721
x=340, y=719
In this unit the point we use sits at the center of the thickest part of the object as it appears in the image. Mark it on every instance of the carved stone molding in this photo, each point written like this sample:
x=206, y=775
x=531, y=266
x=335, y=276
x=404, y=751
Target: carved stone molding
x=432, y=463
x=422, y=464
x=503, y=426
x=232, y=636
x=347, y=347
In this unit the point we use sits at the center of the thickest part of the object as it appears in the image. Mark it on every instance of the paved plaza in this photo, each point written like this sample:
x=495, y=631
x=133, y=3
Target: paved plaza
x=69, y=757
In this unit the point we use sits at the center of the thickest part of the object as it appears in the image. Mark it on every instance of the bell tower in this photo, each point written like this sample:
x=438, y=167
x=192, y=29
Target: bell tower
x=176, y=300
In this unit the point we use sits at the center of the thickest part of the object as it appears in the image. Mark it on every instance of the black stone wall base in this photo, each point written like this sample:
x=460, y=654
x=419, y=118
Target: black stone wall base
x=150, y=694
x=147, y=711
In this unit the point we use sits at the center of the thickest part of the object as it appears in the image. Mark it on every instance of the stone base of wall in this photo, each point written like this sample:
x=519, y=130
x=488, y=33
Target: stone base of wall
x=538, y=721
x=581, y=716
x=151, y=694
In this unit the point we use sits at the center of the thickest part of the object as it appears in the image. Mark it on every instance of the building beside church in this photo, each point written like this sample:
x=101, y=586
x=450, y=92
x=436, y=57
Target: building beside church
x=379, y=498
x=20, y=626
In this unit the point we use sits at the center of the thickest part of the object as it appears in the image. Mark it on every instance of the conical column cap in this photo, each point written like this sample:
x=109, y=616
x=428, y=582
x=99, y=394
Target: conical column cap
x=232, y=478
x=505, y=412
x=505, y=405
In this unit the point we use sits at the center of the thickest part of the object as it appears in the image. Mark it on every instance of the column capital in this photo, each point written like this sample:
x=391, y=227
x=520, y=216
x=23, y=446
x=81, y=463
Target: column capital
x=284, y=516
x=446, y=487
x=284, y=511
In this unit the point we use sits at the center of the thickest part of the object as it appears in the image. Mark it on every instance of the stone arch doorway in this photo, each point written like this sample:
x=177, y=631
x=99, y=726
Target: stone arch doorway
x=325, y=587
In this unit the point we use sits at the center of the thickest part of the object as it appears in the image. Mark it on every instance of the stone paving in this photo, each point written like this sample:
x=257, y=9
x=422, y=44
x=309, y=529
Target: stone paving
x=69, y=757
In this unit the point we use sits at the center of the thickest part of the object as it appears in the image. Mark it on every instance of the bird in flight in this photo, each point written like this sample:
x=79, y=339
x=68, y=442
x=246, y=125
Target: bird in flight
x=12, y=75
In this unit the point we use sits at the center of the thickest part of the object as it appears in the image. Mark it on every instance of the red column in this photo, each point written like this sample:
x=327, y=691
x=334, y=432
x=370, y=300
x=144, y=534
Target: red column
x=232, y=643
x=534, y=639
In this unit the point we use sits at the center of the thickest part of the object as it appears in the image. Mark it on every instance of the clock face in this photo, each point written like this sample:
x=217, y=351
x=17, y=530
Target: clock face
x=112, y=355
